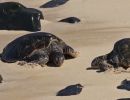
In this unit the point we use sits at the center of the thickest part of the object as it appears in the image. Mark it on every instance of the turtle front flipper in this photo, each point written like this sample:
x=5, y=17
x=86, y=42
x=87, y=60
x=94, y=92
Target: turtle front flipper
x=101, y=63
x=38, y=57
x=69, y=52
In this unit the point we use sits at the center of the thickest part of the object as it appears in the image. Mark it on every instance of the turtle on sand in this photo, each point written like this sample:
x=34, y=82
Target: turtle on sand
x=39, y=48
x=119, y=57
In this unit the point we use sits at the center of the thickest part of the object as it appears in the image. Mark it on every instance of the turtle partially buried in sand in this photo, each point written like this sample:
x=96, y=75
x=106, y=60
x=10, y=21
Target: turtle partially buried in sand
x=38, y=48
x=119, y=57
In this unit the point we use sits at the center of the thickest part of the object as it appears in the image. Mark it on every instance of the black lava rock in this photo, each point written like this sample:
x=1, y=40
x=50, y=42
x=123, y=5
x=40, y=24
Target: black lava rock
x=71, y=20
x=1, y=79
x=53, y=3
x=124, y=99
x=70, y=90
x=125, y=84
x=15, y=16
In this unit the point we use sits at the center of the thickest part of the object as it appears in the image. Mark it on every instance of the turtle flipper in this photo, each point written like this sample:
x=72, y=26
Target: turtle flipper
x=69, y=52
x=38, y=57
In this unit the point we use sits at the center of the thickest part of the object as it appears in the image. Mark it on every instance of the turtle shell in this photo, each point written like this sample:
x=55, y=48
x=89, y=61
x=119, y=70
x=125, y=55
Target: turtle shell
x=24, y=45
x=122, y=48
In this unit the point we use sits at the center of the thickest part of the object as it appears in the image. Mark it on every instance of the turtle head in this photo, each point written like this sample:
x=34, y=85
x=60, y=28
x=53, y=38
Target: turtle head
x=57, y=58
x=98, y=62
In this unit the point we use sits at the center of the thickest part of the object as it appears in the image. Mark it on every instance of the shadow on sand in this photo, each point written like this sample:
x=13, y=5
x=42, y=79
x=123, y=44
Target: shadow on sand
x=97, y=69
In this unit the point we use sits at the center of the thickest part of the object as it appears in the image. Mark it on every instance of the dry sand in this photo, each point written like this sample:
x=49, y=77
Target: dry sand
x=103, y=22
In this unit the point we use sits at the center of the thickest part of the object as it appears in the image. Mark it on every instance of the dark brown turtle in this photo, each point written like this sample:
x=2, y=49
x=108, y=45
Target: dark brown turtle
x=118, y=57
x=39, y=48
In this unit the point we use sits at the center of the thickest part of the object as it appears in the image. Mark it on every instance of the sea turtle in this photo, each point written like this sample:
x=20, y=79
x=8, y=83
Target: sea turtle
x=39, y=48
x=118, y=57
x=70, y=90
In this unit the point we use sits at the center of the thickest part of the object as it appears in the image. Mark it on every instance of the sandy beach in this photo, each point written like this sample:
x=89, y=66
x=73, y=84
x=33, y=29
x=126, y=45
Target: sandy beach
x=103, y=22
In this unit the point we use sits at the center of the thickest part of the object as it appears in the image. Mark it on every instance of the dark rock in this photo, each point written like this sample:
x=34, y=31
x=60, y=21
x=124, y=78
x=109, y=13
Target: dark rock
x=53, y=3
x=71, y=20
x=124, y=99
x=15, y=16
x=1, y=79
x=118, y=57
x=70, y=90
x=125, y=84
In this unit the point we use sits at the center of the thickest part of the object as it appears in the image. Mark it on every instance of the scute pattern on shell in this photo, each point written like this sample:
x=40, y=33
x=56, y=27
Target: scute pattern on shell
x=26, y=44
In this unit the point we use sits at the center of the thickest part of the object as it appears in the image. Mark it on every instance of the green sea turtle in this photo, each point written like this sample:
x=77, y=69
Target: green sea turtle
x=118, y=57
x=40, y=48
